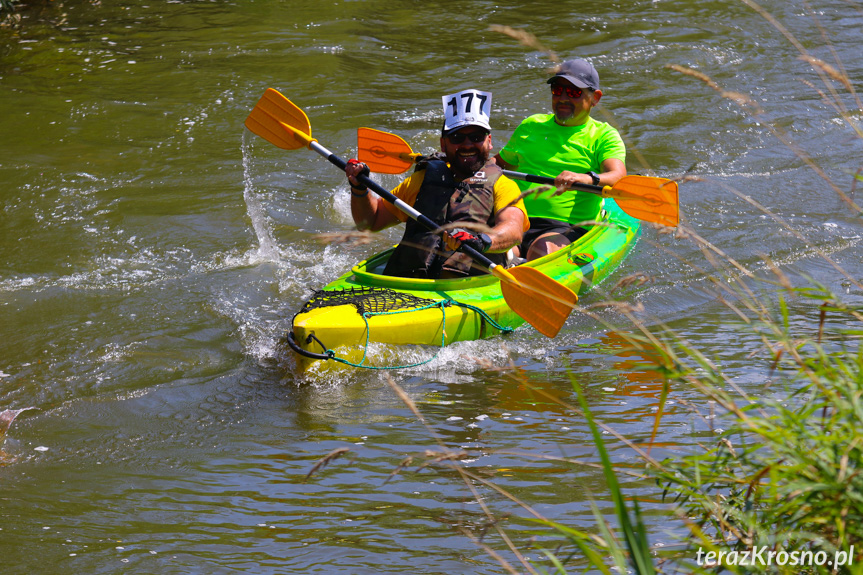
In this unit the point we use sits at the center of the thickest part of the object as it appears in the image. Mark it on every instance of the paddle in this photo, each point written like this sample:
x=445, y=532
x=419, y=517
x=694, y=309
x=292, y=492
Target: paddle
x=540, y=300
x=643, y=197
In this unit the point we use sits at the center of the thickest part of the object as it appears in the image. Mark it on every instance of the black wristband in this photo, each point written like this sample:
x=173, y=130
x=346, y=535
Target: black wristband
x=364, y=189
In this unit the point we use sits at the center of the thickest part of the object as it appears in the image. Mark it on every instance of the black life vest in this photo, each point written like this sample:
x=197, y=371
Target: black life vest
x=423, y=254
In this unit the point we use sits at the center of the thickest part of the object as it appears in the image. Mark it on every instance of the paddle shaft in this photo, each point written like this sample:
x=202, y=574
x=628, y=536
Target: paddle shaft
x=409, y=210
x=589, y=188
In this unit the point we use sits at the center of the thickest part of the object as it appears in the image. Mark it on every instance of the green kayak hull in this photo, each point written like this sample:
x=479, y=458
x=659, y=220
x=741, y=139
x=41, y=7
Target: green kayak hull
x=450, y=310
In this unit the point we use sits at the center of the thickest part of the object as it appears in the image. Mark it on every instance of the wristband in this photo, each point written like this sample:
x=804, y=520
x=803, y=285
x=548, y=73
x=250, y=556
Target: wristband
x=364, y=189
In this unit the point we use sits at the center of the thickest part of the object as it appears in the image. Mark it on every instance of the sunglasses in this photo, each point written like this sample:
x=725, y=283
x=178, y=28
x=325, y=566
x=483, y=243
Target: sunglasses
x=572, y=92
x=460, y=137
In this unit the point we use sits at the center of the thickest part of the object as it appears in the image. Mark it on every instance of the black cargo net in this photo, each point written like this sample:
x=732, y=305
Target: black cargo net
x=367, y=300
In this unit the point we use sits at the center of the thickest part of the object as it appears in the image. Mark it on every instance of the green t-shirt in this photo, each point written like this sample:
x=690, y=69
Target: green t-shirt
x=542, y=147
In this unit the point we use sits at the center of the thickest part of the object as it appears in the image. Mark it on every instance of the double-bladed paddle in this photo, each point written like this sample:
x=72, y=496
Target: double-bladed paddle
x=646, y=198
x=540, y=300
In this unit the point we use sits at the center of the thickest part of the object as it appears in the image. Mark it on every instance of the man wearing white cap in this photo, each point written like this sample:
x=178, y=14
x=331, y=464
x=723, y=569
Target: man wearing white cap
x=462, y=186
x=571, y=147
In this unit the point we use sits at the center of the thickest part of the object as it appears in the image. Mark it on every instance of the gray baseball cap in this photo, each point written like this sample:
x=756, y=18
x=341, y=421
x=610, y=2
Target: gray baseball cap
x=578, y=71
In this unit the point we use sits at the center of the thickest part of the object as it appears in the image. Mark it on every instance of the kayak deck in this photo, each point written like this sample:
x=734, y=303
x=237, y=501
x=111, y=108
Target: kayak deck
x=440, y=312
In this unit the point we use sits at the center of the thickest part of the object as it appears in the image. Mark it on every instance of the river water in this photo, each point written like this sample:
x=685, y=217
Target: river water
x=152, y=254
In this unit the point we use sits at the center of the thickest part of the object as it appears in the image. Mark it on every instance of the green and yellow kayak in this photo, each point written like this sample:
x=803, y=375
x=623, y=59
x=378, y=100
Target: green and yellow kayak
x=365, y=306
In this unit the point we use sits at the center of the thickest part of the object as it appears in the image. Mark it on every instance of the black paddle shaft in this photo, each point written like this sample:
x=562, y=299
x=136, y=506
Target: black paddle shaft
x=590, y=188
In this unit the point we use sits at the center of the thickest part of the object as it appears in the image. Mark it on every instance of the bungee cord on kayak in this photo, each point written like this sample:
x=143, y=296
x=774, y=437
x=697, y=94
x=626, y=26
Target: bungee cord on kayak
x=373, y=301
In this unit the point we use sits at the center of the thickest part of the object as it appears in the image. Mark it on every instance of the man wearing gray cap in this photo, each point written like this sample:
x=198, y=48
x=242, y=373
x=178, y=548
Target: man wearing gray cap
x=462, y=186
x=571, y=147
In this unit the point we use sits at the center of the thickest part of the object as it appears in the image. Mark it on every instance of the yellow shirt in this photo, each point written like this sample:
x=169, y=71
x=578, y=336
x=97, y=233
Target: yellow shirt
x=506, y=192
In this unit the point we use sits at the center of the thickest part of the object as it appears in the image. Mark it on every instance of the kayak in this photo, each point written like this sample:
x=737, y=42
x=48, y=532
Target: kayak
x=364, y=306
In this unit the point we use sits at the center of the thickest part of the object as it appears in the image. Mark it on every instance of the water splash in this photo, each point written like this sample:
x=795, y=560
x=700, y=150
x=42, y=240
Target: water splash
x=268, y=249
x=6, y=419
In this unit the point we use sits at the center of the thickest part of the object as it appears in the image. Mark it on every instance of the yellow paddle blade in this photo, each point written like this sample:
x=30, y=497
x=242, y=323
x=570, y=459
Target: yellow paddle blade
x=280, y=122
x=383, y=152
x=647, y=198
x=543, y=302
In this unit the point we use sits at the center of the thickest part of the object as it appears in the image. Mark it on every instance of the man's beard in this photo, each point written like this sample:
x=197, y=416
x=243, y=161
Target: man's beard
x=563, y=115
x=564, y=111
x=466, y=167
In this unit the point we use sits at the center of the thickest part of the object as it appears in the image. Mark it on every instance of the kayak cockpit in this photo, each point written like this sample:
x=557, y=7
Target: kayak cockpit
x=370, y=272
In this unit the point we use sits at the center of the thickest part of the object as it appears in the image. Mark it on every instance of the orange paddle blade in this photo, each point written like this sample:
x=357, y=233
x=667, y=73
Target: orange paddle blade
x=647, y=198
x=383, y=152
x=280, y=122
x=543, y=302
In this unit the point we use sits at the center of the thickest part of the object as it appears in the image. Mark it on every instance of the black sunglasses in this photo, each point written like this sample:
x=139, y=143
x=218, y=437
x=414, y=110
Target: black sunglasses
x=475, y=137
